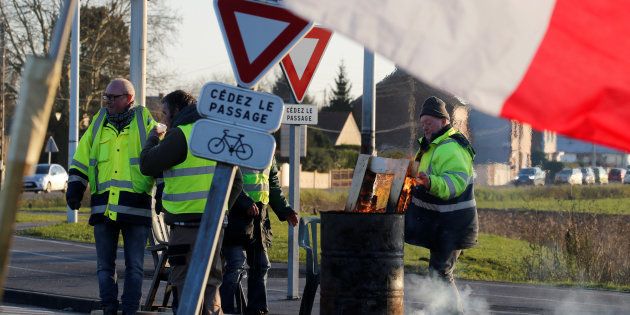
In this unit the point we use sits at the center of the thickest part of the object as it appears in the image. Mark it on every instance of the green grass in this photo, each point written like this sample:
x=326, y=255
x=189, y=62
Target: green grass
x=78, y=232
x=23, y=217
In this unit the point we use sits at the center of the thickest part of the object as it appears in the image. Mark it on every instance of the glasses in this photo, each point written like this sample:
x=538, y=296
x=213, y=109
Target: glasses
x=111, y=97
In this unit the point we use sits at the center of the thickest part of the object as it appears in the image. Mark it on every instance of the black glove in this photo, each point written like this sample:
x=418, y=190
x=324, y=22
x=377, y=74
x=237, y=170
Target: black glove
x=74, y=204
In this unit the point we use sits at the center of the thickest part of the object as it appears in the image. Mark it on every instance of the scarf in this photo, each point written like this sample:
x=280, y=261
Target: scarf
x=121, y=120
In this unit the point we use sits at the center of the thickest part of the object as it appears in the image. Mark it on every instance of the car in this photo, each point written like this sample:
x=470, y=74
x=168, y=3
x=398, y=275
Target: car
x=572, y=176
x=588, y=176
x=601, y=176
x=626, y=178
x=530, y=176
x=47, y=178
x=616, y=175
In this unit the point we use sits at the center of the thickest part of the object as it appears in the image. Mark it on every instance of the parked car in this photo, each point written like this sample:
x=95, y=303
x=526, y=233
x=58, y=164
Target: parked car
x=530, y=176
x=601, y=176
x=588, y=176
x=616, y=175
x=572, y=176
x=47, y=177
x=626, y=178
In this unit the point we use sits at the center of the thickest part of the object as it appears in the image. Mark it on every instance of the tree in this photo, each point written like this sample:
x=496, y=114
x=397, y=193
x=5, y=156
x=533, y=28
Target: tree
x=105, y=50
x=340, y=100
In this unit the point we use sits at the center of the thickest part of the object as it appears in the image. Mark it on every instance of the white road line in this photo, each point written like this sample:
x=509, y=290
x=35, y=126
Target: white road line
x=45, y=271
x=52, y=256
x=55, y=242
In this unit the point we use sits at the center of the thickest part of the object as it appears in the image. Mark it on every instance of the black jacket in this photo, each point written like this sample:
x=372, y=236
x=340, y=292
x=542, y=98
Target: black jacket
x=158, y=156
x=243, y=229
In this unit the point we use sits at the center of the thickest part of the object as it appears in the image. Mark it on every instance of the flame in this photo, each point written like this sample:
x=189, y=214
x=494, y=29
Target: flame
x=405, y=195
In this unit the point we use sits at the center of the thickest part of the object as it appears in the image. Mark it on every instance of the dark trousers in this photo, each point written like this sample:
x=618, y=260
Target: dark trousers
x=258, y=262
x=441, y=266
x=135, y=239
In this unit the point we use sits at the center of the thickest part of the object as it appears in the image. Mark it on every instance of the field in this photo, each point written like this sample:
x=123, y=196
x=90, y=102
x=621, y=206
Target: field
x=557, y=234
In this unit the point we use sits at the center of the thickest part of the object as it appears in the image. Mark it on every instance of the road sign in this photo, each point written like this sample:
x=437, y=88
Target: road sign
x=257, y=36
x=301, y=63
x=251, y=109
x=300, y=114
x=51, y=146
x=232, y=144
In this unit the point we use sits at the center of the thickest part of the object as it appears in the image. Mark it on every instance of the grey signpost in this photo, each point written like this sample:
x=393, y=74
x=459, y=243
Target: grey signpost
x=51, y=147
x=236, y=132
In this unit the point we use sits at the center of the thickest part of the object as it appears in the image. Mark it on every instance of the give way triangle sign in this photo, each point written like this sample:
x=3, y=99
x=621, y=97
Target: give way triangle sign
x=257, y=36
x=301, y=63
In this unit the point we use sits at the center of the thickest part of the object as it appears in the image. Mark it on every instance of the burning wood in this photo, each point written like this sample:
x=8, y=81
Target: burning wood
x=380, y=185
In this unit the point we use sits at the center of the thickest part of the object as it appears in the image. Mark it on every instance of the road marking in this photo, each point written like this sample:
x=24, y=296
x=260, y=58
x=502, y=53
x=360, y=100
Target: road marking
x=55, y=242
x=45, y=271
x=52, y=256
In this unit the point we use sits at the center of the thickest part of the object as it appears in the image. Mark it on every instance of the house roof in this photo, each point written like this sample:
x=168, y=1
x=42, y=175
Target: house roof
x=399, y=99
x=332, y=123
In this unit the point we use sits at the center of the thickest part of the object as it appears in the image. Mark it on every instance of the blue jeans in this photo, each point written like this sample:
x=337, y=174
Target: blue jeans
x=135, y=239
x=258, y=262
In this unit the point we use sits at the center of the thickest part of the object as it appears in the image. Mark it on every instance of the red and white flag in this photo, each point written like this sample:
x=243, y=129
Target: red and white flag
x=560, y=65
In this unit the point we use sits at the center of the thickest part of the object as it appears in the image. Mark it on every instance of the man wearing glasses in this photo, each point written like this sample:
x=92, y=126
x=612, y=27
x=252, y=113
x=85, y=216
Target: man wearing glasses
x=107, y=159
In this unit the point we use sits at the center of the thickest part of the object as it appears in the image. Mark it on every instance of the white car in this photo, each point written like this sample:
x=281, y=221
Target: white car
x=47, y=177
x=626, y=179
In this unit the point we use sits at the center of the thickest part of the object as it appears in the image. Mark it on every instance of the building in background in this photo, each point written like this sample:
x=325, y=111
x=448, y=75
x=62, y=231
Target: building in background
x=503, y=147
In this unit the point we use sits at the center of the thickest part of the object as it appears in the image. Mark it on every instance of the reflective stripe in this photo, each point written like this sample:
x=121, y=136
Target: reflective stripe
x=122, y=209
x=93, y=162
x=97, y=124
x=463, y=175
x=99, y=209
x=444, y=208
x=451, y=186
x=256, y=187
x=190, y=171
x=77, y=178
x=79, y=165
x=115, y=183
x=185, y=196
x=141, y=128
x=134, y=161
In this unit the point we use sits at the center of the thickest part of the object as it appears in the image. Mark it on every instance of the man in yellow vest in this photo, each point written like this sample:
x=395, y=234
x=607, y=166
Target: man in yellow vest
x=442, y=215
x=248, y=235
x=186, y=183
x=107, y=159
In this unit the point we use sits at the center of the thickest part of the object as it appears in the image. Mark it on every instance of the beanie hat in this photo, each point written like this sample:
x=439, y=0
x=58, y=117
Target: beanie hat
x=435, y=107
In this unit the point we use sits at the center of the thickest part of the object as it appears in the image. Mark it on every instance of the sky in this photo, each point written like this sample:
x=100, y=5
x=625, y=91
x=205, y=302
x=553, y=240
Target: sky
x=199, y=54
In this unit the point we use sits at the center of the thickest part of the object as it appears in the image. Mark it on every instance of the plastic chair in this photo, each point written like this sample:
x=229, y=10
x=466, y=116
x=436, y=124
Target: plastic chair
x=308, y=240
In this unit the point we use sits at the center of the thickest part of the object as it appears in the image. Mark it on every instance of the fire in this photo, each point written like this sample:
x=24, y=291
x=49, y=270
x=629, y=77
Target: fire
x=405, y=195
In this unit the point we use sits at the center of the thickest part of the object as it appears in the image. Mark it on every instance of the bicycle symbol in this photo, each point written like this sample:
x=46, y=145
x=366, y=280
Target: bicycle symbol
x=243, y=151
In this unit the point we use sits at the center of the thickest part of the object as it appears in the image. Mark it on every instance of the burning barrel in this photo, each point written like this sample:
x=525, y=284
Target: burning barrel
x=362, y=270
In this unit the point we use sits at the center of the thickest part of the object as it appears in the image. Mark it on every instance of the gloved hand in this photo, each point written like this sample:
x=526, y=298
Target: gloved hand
x=74, y=204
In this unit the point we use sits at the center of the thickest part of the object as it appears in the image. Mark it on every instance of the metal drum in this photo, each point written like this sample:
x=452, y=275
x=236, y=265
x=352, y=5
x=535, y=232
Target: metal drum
x=362, y=269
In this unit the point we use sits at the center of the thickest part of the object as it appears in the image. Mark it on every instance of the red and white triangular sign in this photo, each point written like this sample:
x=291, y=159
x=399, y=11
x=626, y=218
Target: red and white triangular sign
x=301, y=63
x=257, y=36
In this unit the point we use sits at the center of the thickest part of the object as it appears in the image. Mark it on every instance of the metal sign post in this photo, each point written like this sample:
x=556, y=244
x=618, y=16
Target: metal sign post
x=208, y=236
x=236, y=131
x=293, y=276
x=51, y=147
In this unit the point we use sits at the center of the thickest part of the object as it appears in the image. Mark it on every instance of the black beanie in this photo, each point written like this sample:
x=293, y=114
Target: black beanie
x=435, y=107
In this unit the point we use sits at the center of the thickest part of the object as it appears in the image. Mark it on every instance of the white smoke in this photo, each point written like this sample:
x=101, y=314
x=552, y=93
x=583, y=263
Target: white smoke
x=583, y=303
x=428, y=296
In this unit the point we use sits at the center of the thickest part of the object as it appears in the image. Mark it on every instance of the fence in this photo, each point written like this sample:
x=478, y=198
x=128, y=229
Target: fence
x=340, y=178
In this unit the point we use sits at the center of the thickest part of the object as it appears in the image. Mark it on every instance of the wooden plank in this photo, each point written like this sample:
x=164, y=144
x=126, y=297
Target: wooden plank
x=400, y=169
x=357, y=179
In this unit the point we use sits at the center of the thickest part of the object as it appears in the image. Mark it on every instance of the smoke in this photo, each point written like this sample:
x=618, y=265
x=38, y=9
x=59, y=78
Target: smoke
x=583, y=303
x=429, y=296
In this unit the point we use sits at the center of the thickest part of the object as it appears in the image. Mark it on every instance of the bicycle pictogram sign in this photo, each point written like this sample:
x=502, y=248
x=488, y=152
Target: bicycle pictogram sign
x=234, y=144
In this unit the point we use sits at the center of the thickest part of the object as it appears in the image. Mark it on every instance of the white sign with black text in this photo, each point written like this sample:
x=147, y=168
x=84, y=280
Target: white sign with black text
x=300, y=114
x=232, y=144
x=231, y=104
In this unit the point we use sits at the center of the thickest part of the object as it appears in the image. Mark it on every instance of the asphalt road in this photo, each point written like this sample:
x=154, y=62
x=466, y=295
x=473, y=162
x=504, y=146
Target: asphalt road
x=67, y=269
